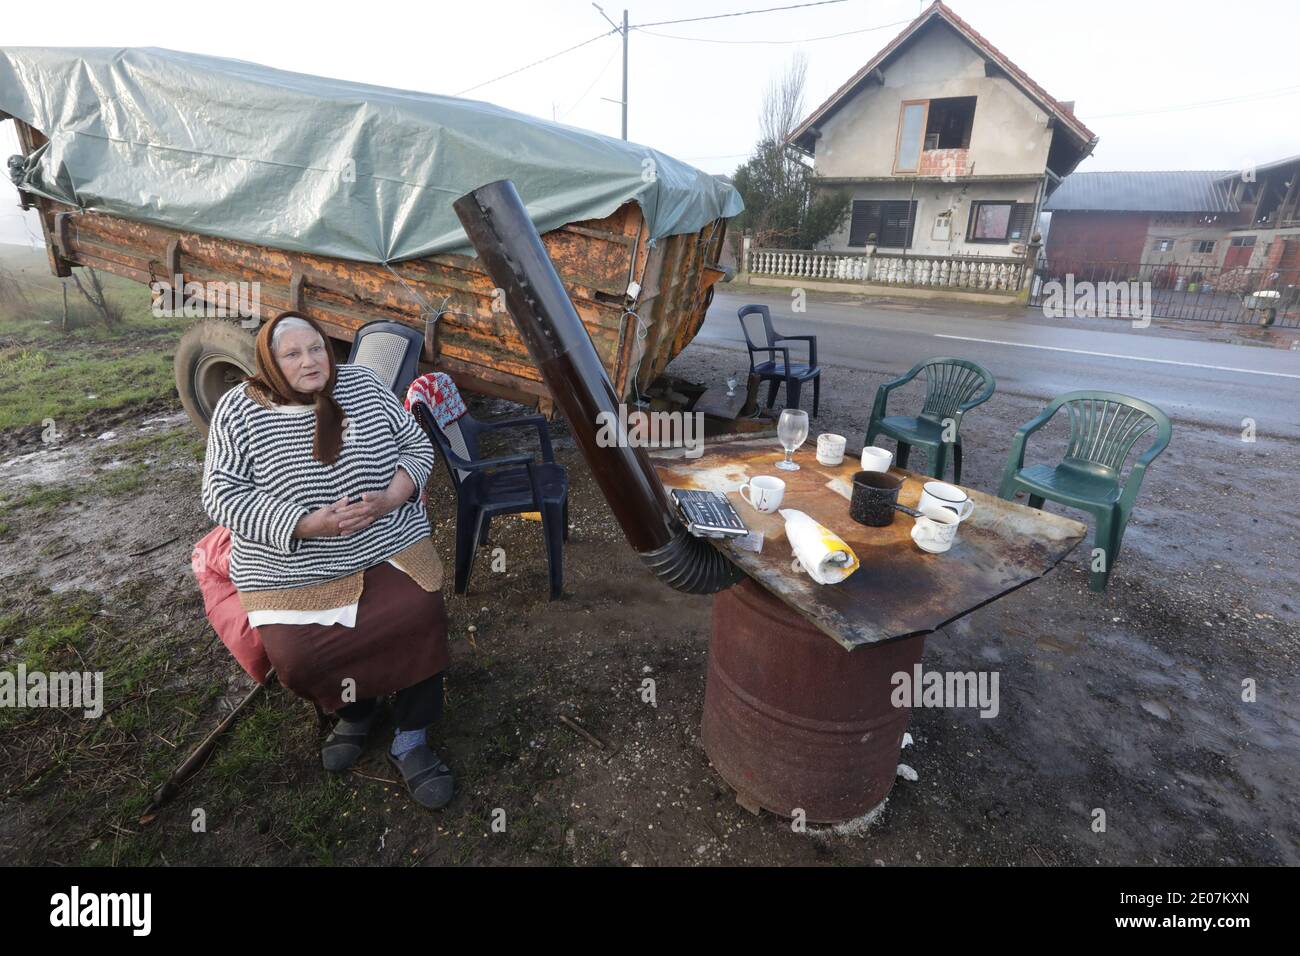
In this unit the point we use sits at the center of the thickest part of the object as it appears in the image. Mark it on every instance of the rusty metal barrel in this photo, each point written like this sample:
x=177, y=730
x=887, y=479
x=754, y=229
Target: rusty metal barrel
x=792, y=720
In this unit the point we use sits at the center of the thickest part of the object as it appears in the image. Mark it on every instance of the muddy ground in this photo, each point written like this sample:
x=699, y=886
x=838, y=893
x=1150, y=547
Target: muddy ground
x=1129, y=701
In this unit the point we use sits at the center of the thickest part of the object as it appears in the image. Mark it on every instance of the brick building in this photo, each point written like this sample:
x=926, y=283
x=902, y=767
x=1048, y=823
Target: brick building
x=1223, y=230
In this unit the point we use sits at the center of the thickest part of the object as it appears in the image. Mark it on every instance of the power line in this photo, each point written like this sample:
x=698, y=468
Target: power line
x=828, y=36
x=1226, y=101
x=587, y=91
x=739, y=13
x=529, y=66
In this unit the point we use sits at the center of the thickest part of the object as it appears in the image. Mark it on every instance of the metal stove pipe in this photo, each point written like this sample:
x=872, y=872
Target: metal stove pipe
x=510, y=249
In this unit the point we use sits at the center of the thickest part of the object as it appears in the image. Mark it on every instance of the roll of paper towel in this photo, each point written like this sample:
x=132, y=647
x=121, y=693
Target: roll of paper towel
x=823, y=553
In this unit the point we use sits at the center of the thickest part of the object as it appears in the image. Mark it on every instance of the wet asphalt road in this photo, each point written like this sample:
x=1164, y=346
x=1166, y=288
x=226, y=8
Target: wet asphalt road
x=1195, y=380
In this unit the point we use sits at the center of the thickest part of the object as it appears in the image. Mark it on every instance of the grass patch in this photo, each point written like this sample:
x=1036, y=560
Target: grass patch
x=46, y=499
x=69, y=375
x=96, y=775
x=69, y=386
x=177, y=444
x=150, y=451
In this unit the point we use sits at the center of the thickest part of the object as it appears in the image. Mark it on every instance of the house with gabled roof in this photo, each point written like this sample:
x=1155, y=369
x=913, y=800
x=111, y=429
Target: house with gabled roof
x=943, y=144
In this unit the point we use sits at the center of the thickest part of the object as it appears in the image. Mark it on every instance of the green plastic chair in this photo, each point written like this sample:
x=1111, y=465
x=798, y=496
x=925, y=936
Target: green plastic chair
x=952, y=388
x=1104, y=427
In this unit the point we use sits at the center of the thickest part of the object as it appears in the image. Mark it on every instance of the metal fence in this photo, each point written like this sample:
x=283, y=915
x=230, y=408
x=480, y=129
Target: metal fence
x=1209, y=294
x=965, y=273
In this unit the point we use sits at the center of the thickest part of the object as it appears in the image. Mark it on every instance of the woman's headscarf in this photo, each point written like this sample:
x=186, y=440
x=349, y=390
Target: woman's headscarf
x=270, y=380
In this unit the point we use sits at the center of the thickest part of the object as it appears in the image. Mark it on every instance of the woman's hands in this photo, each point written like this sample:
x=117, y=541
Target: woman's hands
x=372, y=506
x=342, y=518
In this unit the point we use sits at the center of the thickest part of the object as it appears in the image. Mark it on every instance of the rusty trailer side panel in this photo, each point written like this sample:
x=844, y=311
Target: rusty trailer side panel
x=479, y=347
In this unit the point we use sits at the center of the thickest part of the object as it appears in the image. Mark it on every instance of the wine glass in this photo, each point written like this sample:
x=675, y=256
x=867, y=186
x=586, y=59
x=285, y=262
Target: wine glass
x=792, y=429
x=732, y=381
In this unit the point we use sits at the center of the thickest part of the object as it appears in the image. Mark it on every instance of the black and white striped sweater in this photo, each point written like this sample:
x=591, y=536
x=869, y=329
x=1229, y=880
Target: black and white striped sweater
x=260, y=480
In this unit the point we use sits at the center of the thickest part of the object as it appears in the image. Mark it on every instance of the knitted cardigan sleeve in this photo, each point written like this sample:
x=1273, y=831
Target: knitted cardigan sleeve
x=415, y=450
x=229, y=496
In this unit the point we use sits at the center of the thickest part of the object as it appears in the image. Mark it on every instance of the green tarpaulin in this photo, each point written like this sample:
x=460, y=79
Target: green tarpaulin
x=299, y=162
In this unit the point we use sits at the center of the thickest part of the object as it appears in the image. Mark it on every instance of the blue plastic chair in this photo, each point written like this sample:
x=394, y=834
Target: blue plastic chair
x=793, y=374
x=507, y=484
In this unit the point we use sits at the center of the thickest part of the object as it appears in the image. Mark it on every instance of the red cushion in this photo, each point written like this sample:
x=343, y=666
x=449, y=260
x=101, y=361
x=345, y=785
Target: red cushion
x=211, y=563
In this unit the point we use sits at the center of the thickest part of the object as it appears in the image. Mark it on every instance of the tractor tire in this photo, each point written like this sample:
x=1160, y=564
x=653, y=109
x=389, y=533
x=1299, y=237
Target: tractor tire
x=212, y=357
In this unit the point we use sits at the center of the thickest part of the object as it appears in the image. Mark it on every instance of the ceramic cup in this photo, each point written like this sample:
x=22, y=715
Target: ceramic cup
x=876, y=459
x=765, y=493
x=935, y=533
x=830, y=448
x=874, y=496
x=939, y=496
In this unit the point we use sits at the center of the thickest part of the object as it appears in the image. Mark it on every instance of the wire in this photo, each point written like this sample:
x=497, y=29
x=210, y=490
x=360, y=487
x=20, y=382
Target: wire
x=1226, y=101
x=587, y=92
x=739, y=13
x=828, y=36
x=693, y=159
x=529, y=66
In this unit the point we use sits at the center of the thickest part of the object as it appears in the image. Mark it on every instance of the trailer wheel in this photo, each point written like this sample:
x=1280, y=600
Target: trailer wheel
x=211, y=359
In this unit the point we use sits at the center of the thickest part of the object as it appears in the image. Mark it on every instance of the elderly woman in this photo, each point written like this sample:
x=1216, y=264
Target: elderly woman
x=317, y=471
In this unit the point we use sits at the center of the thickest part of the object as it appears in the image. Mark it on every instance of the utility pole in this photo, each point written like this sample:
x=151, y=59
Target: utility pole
x=622, y=30
x=625, y=76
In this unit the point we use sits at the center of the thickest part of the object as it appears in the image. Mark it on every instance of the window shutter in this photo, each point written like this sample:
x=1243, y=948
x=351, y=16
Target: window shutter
x=1020, y=227
x=866, y=220
x=896, y=231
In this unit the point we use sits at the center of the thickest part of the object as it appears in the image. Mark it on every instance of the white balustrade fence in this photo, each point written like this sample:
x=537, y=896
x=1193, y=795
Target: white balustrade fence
x=968, y=273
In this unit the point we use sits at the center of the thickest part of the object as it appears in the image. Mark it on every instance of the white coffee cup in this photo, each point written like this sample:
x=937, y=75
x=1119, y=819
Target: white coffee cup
x=939, y=496
x=876, y=459
x=935, y=533
x=765, y=493
x=830, y=448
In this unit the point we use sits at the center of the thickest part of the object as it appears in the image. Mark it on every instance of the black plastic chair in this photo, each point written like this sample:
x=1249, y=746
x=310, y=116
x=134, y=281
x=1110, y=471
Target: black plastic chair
x=793, y=374
x=391, y=350
x=507, y=484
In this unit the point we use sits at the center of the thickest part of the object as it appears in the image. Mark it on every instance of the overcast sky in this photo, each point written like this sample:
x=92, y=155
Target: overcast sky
x=1188, y=85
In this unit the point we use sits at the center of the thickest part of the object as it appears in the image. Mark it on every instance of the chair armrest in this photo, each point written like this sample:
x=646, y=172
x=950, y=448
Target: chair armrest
x=883, y=390
x=1016, y=458
x=464, y=464
x=785, y=353
x=1134, y=480
x=534, y=421
x=810, y=339
x=483, y=464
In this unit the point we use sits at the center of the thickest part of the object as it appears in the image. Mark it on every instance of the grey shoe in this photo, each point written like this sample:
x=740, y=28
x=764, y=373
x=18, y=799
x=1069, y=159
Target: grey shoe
x=346, y=742
x=427, y=777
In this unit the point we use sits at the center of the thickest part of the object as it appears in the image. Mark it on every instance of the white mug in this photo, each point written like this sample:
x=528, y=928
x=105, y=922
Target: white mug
x=935, y=533
x=765, y=493
x=830, y=448
x=876, y=459
x=939, y=496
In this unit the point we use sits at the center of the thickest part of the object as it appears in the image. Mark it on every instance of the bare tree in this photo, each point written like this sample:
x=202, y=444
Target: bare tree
x=109, y=311
x=783, y=206
x=783, y=102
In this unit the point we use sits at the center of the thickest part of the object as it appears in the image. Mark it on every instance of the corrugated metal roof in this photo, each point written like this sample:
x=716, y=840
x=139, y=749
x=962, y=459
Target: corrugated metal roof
x=1184, y=190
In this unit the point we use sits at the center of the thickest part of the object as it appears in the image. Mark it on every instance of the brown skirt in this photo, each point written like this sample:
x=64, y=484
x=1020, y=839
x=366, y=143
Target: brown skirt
x=400, y=639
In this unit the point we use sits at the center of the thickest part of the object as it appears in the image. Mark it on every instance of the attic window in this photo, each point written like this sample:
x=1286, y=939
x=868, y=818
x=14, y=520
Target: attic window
x=950, y=123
